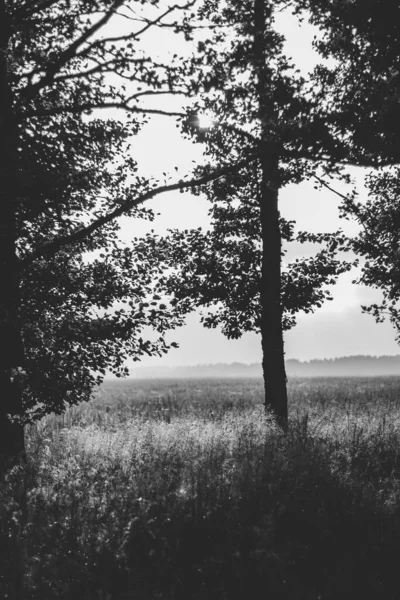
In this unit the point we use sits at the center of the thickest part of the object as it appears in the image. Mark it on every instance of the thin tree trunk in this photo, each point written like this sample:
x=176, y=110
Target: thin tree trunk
x=11, y=353
x=273, y=363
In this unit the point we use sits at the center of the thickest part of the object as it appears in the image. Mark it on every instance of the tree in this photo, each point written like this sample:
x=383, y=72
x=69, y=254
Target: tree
x=74, y=300
x=379, y=242
x=267, y=117
x=362, y=87
x=363, y=90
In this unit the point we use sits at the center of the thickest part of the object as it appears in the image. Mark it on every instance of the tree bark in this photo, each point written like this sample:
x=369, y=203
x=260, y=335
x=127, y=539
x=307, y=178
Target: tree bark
x=273, y=362
x=11, y=348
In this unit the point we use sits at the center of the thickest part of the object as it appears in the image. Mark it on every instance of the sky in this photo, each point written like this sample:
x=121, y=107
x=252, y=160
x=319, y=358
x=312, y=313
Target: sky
x=337, y=329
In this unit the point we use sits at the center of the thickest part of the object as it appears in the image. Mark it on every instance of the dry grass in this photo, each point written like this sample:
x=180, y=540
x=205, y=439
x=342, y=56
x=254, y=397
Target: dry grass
x=181, y=490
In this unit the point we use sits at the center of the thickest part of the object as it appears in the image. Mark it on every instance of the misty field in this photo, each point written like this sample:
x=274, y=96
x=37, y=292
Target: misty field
x=186, y=490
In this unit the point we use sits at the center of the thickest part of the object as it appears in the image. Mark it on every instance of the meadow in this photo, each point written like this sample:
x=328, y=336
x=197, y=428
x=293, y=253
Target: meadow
x=186, y=490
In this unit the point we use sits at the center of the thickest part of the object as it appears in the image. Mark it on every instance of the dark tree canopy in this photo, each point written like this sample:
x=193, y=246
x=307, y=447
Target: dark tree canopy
x=364, y=86
x=363, y=89
x=86, y=301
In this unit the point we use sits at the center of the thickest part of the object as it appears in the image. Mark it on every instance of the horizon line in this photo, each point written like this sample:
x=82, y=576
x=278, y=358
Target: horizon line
x=236, y=362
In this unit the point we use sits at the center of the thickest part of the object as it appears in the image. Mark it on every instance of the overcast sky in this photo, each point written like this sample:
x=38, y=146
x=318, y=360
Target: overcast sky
x=338, y=328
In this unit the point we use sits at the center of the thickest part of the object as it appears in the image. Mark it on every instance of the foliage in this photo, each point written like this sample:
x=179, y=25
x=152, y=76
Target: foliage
x=363, y=90
x=379, y=242
x=222, y=267
x=85, y=299
x=363, y=86
x=221, y=271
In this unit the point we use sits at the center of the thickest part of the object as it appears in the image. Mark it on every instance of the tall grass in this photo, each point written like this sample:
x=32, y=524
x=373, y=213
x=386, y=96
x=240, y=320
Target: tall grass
x=181, y=490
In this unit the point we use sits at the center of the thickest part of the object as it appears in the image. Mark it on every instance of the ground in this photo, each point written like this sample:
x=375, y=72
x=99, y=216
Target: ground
x=186, y=490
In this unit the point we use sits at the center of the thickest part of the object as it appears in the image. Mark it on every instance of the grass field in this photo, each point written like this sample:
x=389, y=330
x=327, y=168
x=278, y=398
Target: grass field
x=186, y=490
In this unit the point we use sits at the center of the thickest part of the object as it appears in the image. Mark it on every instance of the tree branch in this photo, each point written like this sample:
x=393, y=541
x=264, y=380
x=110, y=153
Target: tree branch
x=361, y=163
x=167, y=12
x=100, y=67
x=82, y=234
x=331, y=189
x=103, y=105
x=70, y=52
x=161, y=93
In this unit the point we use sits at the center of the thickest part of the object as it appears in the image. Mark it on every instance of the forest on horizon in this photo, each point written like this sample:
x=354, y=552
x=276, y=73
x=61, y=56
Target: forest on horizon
x=344, y=366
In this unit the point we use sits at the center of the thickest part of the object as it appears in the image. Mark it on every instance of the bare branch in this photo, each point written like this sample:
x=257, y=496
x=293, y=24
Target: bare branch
x=331, y=189
x=82, y=234
x=167, y=12
x=124, y=16
x=192, y=26
x=132, y=36
x=160, y=93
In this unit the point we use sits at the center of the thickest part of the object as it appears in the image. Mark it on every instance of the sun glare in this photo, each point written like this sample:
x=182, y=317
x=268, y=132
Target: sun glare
x=205, y=121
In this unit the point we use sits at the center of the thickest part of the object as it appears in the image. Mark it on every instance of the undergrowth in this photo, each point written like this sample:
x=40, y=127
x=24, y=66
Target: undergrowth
x=187, y=490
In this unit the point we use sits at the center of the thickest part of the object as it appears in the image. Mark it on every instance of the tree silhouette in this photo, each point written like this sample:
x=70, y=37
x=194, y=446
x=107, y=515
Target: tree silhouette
x=74, y=299
x=363, y=89
x=264, y=113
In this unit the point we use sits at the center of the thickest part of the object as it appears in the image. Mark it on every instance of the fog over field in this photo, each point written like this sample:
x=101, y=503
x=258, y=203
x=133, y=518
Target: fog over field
x=346, y=366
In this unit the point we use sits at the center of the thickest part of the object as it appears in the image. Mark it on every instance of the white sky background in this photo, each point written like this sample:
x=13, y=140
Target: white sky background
x=338, y=328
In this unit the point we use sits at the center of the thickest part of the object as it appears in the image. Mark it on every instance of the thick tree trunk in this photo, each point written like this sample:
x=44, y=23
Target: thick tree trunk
x=271, y=310
x=11, y=354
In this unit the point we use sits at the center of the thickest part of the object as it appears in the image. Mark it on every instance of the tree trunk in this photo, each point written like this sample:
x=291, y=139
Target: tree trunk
x=271, y=310
x=11, y=354
x=273, y=362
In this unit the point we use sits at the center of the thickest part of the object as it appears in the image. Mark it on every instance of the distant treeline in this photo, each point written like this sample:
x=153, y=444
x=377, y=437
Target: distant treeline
x=335, y=367
x=347, y=365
